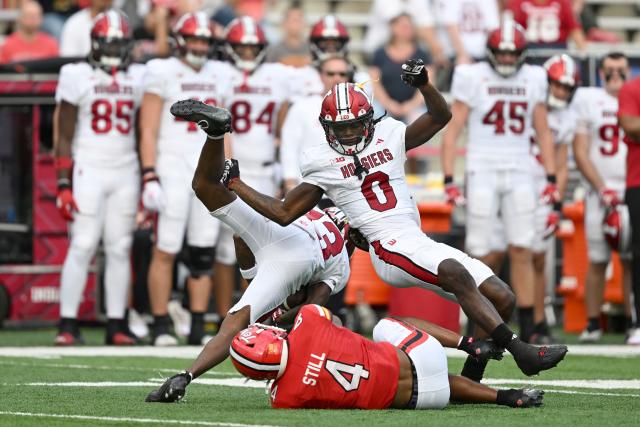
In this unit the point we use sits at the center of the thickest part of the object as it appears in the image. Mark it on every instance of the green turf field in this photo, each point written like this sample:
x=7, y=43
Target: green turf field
x=39, y=386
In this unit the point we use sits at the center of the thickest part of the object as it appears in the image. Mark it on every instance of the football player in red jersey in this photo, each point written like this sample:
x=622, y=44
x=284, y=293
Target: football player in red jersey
x=324, y=366
x=98, y=172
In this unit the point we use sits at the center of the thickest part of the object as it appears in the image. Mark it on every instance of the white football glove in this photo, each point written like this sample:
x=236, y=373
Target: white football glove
x=153, y=197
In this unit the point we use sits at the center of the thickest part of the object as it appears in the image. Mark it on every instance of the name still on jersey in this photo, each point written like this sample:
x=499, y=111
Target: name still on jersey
x=330, y=367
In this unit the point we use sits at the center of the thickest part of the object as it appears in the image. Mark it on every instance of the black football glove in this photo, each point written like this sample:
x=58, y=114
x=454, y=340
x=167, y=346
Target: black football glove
x=520, y=398
x=480, y=349
x=231, y=171
x=414, y=73
x=172, y=390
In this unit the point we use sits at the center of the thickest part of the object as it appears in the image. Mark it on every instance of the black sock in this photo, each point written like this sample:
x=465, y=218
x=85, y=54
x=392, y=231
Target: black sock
x=507, y=397
x=525, y=318
x=69, y=324
x=474, y=368
x=503, y=335
x=594, y=324
x=629, y=322
x=197, y=324
x=541, y=328
x=160, y=325
x=113, y=326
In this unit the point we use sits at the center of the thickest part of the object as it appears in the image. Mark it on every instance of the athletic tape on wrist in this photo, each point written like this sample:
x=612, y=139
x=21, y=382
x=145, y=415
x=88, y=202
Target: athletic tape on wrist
x=249, y=273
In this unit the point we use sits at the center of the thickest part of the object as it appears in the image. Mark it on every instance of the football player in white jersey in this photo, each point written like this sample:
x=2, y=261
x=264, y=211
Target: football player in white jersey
x=501, y=100
x=311, y=252
x=95, y=133
x=169, y=150
x=361, y=169
x=563, y=77
x=601, y=157
x=328, y=37
x=259, y=93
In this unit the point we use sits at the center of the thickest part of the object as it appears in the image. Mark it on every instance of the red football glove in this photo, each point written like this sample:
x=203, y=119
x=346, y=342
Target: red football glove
x=453, y=195
x=609, y=198
x=550, y=194
x=66, y=203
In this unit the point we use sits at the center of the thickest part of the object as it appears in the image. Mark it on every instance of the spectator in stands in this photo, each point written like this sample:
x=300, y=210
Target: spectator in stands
x=629, y=120
x=465, y=26
x=293, y=49
x=56, y=12
x=548, y=23
x=401, y=101
x=28, y=42
x=301, y=128
x=75, y=40
x=420, y=11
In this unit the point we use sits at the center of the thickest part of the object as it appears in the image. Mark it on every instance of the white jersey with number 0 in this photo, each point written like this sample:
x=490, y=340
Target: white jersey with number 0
x=596, y=113
x=378, y=204
x=173, y=80
x=501, y=110
x=107, y=105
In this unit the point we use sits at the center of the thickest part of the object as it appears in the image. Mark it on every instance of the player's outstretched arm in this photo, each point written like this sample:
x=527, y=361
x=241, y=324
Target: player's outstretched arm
x=64, y=125
x=424, y=127
x=300, y=200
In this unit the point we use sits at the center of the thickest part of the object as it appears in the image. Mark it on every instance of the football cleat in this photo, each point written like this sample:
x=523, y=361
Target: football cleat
x=165, y=340
x=588, y=336
x=121, y=339
x=68, y=339
x=535, y=359
x=634, y=337
x=214, y=121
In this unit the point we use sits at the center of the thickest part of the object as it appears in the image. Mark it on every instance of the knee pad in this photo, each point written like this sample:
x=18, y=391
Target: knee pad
x=119, y=248
x=200, y=260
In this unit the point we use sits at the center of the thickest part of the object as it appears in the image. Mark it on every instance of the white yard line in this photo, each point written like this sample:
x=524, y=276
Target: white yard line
x=589, y=384
x=190, y=352
x=129, y=419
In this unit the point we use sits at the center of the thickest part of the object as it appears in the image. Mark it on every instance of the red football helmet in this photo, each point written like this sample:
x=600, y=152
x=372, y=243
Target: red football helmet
x=617, y=228
x=328, y=37
x=110, y=40
x=244, y=33
x=260, y=352
x=194, y=25
x=509, y=38
x=562, y=69
x=347, y=118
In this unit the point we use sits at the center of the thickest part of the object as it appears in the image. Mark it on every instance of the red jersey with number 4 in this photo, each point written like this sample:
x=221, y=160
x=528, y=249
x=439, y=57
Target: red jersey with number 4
x=596, y=112
x=254, y=102
x=629, y=99
x=330, y=367
x=379, y=204
x=545, y=21
x=500, y=113
x=107, y=104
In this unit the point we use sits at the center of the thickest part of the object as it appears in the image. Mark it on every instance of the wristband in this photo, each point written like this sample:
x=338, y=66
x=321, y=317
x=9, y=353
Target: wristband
x=448, y=179
x=62, y=163
x=64, y=183
x=551, y=178
x=249, y=273
x=147, y=170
